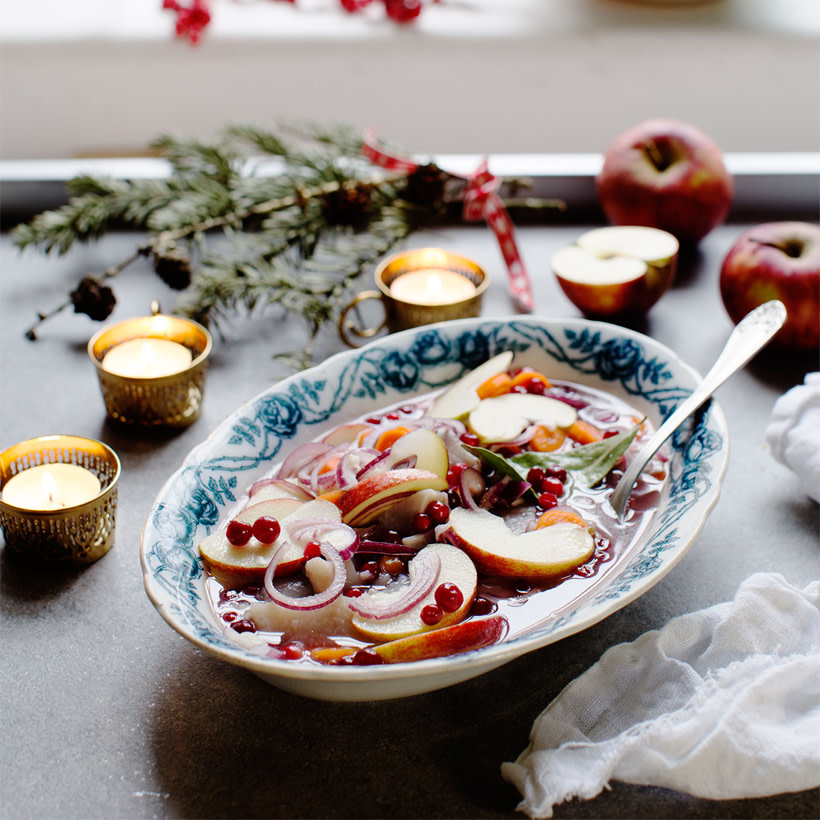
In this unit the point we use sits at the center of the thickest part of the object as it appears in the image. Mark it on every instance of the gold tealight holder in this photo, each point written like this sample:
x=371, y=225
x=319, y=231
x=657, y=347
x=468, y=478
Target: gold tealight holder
x=61, y=506
x=161, y=389
x=419, y=287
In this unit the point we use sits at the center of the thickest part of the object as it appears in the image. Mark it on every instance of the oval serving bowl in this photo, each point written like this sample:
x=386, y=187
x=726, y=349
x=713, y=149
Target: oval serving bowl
x=216, y=475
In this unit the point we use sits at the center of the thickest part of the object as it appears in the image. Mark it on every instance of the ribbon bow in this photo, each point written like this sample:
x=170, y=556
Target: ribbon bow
x=481, y=201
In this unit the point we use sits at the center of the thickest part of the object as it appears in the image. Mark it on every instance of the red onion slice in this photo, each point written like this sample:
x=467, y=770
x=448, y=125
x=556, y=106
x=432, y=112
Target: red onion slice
x=303, y=457
x=309, y=602
x=470, y=483
x=343, y=538
x=425, y=569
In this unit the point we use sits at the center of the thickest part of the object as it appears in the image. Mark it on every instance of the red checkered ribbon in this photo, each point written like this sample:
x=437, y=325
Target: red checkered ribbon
x=481, y=201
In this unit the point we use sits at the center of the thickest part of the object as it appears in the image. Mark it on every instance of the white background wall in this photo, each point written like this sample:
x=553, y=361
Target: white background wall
x=102, y=77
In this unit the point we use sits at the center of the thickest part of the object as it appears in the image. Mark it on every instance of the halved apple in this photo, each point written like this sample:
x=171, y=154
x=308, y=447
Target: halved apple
x=456, y=568
x=461, y=396
x=363, y=502
x=542, y=553
x=504, y=417
x=426, y=447
x=251, y=560
x=617, y=271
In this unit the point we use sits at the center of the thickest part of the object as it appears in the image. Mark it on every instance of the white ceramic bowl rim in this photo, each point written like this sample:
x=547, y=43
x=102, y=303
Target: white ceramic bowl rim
x=252, y=439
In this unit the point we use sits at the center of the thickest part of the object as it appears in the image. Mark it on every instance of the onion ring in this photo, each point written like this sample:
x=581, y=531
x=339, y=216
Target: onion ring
x=426, y=568
x=309, y=602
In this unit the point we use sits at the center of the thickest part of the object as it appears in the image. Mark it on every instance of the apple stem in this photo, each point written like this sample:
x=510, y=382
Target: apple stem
x=792, y=249
x=656, y=155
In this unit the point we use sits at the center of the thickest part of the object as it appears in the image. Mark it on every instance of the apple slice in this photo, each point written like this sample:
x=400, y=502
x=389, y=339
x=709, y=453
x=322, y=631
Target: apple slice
x=438, y=643
x=426, y=447
x=363, y=502
x=542, y=553
x=462, y=395
x=617, y=271
x=504, y=417
x=456, y=568
x=251, y=560
x=347, y=434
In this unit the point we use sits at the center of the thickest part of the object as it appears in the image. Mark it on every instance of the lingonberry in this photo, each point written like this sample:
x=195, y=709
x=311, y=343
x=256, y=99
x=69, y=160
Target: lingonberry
x=238, y=533
x=292, y=651
x=431, y=614
x=556, y=472
x=438, y=511
x=449, y=597
x=482, y=606
x=470, y=439
x=266, y=529
x=550, y=484
x=535, y=475
x=243, y=625
x=353, y=592
x=402, y=11
x=365, y=657
x=547, y=501
x=312, y=550
x=611, y=432
x=422, y=522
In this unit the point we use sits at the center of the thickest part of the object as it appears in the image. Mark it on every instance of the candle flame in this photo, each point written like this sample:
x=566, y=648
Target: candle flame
x=49, y=486
x=434, y=285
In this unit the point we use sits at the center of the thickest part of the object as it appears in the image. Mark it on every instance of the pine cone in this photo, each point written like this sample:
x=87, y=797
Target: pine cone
x=174, y=268
x=425, y=185
x=349, y=205
x=93, y=298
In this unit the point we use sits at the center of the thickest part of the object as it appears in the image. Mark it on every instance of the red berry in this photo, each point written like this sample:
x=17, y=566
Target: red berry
x=422, y=522
x=438, y=511
x=556, y=472
x=611, y=432
x=369, y=570
x=292, y=651
x=366, y=657
x=482, y=606
x=266, y=529
x=402, y=11
x=547, y=501
x=550, y=484
x=353, y=592
x=454, y=473
x=244, y=625
x=471, y=439
x=312, y=550
x=449, y=597
x=431, y=614
x=535, y=475
x=238, y=533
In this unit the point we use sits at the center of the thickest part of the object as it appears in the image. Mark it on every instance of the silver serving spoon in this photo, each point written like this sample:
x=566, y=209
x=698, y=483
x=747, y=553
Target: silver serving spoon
x=752, y=334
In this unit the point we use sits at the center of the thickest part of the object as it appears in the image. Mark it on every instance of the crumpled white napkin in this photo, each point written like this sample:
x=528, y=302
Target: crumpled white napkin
x=793, y=433
x=722, y=703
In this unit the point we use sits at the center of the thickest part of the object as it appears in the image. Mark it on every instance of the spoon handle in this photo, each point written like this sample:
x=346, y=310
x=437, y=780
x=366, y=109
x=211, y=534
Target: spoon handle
x=749, y=336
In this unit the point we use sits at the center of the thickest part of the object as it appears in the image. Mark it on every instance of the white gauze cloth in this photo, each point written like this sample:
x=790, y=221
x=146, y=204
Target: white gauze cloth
x=793, y=433
x=723, y=703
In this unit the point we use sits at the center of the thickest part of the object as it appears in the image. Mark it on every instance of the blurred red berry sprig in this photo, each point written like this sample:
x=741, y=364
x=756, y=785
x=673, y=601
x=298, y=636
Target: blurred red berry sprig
x=194, y=17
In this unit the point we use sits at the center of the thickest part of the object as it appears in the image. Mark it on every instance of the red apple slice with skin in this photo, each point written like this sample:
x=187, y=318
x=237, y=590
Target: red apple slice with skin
x=461, y=396
x=503, y=418
x=250, y=560
x=618, y=271
x=363, y=502
x=455, y=568
x=542, y=553
x=438, y=643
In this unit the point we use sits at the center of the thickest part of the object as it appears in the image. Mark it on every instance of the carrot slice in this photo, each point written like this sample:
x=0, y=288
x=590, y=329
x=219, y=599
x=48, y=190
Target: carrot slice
x=584, y=433
x=494, y=386
x=388, y=438
x=546, y=439
x=332, y=464
x=556, y=516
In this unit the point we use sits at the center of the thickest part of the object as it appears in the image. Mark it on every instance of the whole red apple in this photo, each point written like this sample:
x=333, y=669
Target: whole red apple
x=777, y=260
x=665, y=174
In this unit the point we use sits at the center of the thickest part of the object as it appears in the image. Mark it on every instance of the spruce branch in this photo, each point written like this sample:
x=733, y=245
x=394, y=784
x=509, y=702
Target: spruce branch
x=232, y=237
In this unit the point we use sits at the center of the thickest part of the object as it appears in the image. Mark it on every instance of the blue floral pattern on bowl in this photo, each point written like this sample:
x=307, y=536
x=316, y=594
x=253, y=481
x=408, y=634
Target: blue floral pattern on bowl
x=248, y=444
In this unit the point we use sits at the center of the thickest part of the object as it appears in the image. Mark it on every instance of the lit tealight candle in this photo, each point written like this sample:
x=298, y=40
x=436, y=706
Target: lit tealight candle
x=432, y=287
x=147, y=358
x=51, y=487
